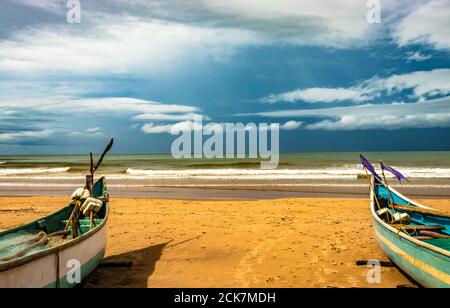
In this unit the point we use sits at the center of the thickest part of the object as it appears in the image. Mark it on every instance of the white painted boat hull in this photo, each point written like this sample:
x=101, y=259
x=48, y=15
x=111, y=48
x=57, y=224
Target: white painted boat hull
x=59, y=268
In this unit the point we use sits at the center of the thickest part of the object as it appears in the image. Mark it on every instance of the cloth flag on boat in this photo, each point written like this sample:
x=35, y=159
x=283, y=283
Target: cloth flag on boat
x=397, y=174
x=368, y=165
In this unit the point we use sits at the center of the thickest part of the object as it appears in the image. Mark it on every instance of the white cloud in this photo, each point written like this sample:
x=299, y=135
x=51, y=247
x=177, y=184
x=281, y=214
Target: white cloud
x=117, y=45
x=423, y=83
x=56, y=7
x=125, y=44
x=291, y=125
x=135, y=108
x=125, y=104
x=385, y=122
x=427, y=114
x=24, y=135
x=152, y=128
x=429, y=24
x=46, y=113
x=417, y=56
x=337, y=23
x=313, y=95
x=168, y=117
x=94, y=130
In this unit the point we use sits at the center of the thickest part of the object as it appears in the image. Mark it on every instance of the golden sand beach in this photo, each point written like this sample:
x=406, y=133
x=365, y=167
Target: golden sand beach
x=260, y=243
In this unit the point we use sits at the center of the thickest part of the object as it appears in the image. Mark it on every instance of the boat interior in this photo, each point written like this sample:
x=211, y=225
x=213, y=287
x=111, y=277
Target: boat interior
x=423, y=223
x=51, y=227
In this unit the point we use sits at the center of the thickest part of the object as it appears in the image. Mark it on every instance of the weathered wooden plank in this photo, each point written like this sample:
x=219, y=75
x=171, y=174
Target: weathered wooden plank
x=413, y=209
x=418, y=228
x=434, y=234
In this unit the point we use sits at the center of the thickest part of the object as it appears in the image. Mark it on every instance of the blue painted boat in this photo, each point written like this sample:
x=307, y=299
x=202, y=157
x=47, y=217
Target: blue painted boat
x=426, y=259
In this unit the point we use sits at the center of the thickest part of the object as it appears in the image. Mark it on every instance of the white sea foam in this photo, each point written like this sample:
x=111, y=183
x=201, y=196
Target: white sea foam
x=249, y=174
x=246, y=186
x=2, y=162
x=347, y=172
x=27, y=171
x=277, y=174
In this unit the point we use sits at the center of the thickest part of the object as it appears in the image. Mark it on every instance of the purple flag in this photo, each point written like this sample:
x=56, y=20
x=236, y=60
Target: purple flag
x=397, y=174
x=368, y=165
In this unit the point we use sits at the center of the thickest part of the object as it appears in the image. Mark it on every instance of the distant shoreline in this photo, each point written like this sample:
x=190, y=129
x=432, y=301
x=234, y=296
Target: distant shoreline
x=281, y=152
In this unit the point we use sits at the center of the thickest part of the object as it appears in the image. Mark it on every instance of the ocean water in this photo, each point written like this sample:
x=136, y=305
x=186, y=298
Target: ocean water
x=293, y=167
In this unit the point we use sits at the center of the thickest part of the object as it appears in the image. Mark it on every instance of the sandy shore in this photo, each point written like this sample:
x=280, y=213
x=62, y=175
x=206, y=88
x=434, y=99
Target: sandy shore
x=266, y=243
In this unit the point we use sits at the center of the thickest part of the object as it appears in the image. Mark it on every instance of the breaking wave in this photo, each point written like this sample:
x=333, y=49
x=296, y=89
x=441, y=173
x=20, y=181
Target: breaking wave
x=25, y=171
x=260, y=174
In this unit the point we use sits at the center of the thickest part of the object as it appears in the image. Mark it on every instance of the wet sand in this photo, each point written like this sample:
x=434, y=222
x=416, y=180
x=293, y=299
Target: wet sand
x=309, y=242
x=226, y=191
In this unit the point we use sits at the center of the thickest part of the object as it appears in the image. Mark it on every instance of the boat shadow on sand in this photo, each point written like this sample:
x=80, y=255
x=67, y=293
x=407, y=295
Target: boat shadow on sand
x=134, y=276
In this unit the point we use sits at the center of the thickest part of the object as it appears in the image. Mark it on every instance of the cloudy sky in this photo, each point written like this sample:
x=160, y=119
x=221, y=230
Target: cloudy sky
x=132, y=69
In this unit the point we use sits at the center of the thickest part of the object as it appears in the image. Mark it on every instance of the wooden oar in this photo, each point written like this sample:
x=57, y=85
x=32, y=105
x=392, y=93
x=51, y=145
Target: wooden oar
x=73, y=219
x=418, y=228
x=434, y=234
x=72, y=215
x=414, y=209
x=92, y=171
x=100, y=160
x=423, y=238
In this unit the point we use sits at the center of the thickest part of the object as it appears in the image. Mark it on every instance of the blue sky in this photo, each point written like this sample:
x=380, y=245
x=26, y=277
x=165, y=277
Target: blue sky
x=131, y=69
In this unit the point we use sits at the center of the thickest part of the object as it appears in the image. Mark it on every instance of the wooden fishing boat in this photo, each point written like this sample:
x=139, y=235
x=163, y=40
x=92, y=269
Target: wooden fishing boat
x=59, y=250
x=50, y=266
x=421, y=247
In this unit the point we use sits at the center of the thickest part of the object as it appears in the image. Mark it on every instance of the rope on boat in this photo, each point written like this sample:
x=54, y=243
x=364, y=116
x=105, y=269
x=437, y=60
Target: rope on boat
x=390, y=216
x=40, y=239
x=30, y=240
x=41, y=242
x=404, y=228
x=73, y=218
x=434, y=234
x=407, y=229
x=421, y=211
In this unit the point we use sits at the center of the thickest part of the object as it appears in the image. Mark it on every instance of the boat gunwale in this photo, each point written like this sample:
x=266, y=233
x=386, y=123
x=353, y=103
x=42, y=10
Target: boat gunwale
x=49, y=251
x=399, y=232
